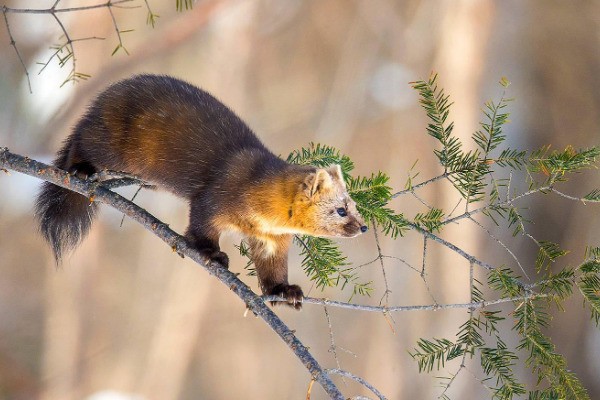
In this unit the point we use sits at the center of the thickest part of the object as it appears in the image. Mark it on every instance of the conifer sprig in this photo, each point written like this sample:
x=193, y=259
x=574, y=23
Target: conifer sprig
x=474, y=174
x=322, y=260
x=322, y=156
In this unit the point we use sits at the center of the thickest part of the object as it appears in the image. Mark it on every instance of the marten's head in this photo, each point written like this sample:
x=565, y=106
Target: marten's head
x=323, y=207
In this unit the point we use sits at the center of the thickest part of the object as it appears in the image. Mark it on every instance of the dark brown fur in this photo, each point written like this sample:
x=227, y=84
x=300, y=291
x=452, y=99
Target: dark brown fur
x=175, y=135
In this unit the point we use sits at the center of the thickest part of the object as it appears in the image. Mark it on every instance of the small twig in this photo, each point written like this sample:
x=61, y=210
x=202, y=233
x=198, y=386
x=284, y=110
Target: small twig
x=464, y=357
x=488, y=207
x=107, y=174
x=53, y=10
x=420, y=185
x=453, y=247
x=59, y=48
x=461, y=367
x=491, y=235
x=309, y=390
x=566, y=196
x=424, y=256
x=132, y=199
x=69, y=41
x=14, y=45
x=421, y=200
x=380, y=257
x=357, y=379
x=112, y=15
x=422, y=274
x=332, y=347
x=455, y=207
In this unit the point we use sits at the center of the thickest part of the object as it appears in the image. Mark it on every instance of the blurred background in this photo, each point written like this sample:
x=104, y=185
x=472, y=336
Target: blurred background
x=124, y=316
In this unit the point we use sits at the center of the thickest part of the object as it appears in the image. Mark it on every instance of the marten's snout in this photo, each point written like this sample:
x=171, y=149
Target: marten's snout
x=355, y=228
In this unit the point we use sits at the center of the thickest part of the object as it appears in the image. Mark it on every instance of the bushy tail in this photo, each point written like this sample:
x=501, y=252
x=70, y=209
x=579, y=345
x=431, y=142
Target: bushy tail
x=65, y=217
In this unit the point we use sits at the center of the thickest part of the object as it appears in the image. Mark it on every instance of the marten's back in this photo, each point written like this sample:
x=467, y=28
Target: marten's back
x=165, y=131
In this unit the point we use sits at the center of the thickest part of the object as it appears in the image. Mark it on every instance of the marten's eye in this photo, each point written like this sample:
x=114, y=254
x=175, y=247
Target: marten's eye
x=341, y=212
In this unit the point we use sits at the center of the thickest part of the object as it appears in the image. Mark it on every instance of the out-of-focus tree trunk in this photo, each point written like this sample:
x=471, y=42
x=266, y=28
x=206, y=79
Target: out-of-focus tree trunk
x=563, y=67
x=459, y=59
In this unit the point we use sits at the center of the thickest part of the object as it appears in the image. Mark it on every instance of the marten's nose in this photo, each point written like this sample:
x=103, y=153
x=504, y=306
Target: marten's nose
x=363, y=228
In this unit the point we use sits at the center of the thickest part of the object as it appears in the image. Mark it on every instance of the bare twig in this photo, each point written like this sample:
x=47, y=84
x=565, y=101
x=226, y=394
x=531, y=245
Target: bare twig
x=117, y=30
x=422, y=273
x=357, y=379
x=54, y=10
x=420, y=185
x=566, y=196
x=69, y=41
x=333, y=347
x=505, y=247
x=387, y=292
x=488, y=207
x=426, y=307
x=14, y=45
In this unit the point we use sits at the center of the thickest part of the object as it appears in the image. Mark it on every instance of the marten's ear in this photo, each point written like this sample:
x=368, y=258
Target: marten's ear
x=317, y=181
x=336, y=173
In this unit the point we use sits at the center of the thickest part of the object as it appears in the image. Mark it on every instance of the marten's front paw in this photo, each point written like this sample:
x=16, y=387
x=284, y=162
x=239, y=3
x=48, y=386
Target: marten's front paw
x=220, y=257
x=216, y=256
x=291, y=293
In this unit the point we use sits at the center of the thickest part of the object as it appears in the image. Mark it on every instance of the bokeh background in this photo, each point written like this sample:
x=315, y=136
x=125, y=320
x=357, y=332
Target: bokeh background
x=124, y=316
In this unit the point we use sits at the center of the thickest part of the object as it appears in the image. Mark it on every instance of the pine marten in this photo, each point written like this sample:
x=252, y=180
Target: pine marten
x=181, y=138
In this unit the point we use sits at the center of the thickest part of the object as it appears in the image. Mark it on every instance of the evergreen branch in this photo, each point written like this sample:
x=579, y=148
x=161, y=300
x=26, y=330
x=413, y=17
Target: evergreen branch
x=559, y=285
x=324, y=263
x=437, y=107
x=593, y=196
x=491, y=135
x=504, y=281
x=469, y=333
x=435, y=354
x=543, y=359
x=371, y=196
x=548, y=253
x=321, y=156
x=552, y=366
x=547, y=394
x=431, y=220
x=589, y=286
x=498, y=362
x=322, y=260
x=180, y=5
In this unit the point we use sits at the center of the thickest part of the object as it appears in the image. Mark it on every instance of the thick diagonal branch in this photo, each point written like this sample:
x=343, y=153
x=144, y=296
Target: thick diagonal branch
x=98, y=193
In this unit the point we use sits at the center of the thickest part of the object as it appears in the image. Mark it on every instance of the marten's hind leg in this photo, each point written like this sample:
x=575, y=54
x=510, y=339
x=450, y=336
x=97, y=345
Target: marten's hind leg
x=74, y=159
x=82, y=169
x=269, y=255
x=202, y=234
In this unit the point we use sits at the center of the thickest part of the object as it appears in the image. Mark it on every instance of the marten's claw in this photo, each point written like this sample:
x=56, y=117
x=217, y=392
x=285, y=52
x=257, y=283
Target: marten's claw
x=221, y=258
x=291, y=293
